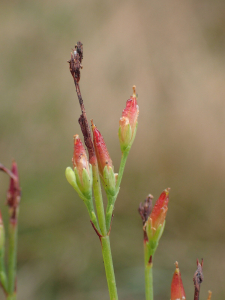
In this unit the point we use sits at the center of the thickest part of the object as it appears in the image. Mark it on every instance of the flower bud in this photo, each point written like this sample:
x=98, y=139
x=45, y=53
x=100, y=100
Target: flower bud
x=128, y=122
x=81, y=177
x=79, y=159
x=14, y=193
x=105, y=166
x=177, y=289
x=155, y=224
x=159, y=211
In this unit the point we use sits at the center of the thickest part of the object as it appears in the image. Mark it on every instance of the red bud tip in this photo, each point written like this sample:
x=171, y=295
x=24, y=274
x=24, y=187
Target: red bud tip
x=79, y=159
x=160, y=208
x=101, y=151
x=13, y=196
x=177, y=289
x=131, y=111
x=1, y=222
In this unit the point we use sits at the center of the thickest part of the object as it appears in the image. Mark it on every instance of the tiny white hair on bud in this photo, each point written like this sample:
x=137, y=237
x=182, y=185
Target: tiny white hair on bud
x=75, y=52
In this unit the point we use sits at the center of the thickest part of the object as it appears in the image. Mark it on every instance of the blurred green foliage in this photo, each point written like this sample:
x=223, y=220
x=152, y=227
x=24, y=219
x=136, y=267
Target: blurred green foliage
x=174, y=53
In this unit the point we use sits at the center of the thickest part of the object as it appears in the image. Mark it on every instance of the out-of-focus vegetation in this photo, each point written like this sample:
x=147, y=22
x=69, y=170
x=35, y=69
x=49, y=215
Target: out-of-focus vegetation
x=174, y=52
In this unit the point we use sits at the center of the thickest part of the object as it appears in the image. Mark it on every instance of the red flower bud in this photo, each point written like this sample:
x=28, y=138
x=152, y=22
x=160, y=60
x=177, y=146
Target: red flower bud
x=177, y=289
x=128, y=121
x=159, y=211
x=81, y=176
x=101, y=151
x=131, y=111
x=13, y=195
x=79, y=159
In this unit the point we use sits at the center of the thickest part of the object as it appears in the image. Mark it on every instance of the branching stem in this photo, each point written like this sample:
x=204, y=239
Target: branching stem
x=75, y=66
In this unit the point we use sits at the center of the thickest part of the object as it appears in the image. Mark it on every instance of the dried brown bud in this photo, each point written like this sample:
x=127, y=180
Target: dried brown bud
x=146, y=208
x=75, y=61
x=198, y=278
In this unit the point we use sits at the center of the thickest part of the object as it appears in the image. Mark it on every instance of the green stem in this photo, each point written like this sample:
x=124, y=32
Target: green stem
x=107, y=257
x=121, y=170
x=12, y=259
x=98, y=200
x=109, y=211
x=106, y=250
x=148, y=274
x=11, y=297
x=92, y=214
x=112, y=199
x=3, y=277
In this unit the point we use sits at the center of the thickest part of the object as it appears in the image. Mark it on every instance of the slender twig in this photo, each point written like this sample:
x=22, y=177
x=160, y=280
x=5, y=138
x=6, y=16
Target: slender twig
x=198, y=278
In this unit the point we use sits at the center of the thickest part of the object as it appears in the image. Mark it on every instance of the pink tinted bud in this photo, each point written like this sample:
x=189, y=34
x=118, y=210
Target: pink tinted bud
x=131, y=111
x=128, y=122
x=125, y=132
x=177, y=289
x=159, y=211
x=13, y=194
x=101, y=151
x=79, y=159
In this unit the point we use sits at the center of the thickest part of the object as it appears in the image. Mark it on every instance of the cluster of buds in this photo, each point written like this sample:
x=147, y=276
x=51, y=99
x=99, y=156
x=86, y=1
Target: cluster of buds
x=154, y=220
x=81, y=176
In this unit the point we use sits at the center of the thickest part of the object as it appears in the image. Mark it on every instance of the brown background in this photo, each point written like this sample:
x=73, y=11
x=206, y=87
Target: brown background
x=174, y=52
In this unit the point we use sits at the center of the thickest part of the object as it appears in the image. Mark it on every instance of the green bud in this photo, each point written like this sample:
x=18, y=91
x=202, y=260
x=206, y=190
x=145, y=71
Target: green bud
x=82, y=186
x=70, y=176
x=109, y=181
x=87, y=181
x=125, y=134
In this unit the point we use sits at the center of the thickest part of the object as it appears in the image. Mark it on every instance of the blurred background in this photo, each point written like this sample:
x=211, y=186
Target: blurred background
x=174, y=52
